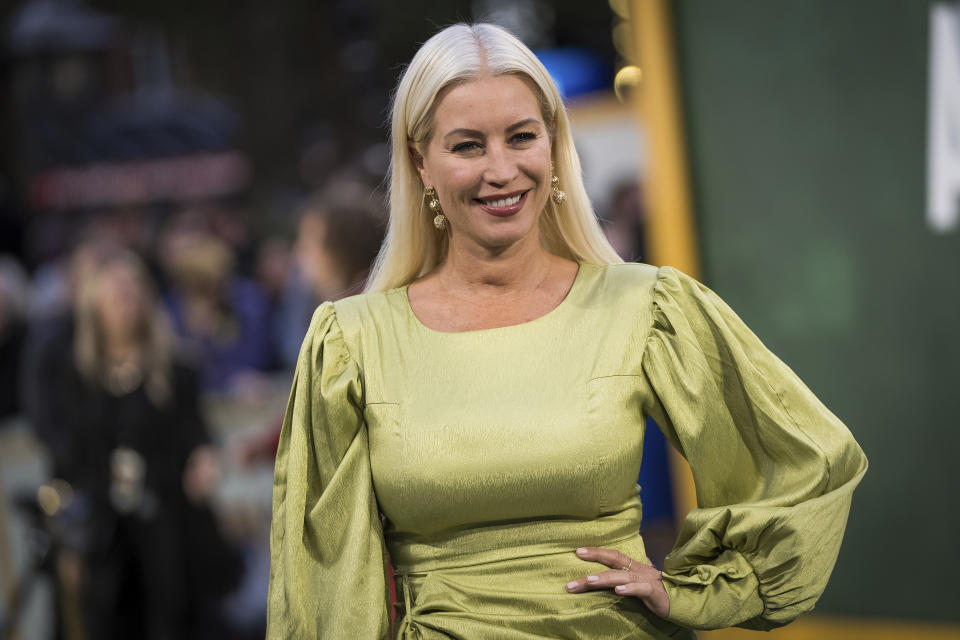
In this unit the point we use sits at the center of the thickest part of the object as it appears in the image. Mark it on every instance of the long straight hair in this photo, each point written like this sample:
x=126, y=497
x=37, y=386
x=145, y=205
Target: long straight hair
x=460, y=53
x=155, y=336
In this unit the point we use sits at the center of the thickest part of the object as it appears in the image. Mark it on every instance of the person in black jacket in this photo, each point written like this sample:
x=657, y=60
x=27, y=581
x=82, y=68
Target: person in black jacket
x=140, y=460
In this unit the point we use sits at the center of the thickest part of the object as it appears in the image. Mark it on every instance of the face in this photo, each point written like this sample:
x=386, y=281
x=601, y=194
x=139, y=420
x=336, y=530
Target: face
x=120, y=301
x=489, y=160
x=317, y=263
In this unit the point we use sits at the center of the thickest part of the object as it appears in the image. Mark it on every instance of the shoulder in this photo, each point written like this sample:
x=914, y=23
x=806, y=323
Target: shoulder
x=359, y=316
x=617, y=297
x=637, y=278
x=621, y=284
x=629, y=274
x=356, y=312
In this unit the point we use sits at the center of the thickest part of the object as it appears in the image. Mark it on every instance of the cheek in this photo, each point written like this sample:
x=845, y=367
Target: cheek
x=457, y=182
x=537, y=164
x=540, y=174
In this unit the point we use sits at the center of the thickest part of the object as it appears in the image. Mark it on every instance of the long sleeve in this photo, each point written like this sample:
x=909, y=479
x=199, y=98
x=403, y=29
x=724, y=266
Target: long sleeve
x=327, y=573
x=774, y=469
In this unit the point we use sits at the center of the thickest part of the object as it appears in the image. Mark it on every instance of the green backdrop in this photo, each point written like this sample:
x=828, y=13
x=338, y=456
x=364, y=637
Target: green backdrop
x=807, y=134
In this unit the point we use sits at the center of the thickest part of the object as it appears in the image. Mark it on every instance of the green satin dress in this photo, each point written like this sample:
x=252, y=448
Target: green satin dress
x=493, y=454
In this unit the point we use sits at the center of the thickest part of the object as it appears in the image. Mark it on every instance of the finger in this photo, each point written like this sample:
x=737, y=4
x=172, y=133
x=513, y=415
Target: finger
x=652, y=594
x=610, y=557
x=613, y=577
x=600, y=581
x=637, y=589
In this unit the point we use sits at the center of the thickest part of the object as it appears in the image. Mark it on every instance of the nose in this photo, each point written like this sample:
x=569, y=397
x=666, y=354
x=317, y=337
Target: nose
x=501, y=166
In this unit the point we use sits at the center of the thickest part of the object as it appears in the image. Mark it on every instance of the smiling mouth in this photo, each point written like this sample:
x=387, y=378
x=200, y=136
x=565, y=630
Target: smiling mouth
x=503, y=206
x=502, y=202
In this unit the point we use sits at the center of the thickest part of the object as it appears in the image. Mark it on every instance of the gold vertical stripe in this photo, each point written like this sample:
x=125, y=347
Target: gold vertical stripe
x=670, y=224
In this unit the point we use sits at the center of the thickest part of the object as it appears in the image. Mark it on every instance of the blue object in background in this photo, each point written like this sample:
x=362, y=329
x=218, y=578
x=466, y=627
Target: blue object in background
x=654, y=481
x=576, y=70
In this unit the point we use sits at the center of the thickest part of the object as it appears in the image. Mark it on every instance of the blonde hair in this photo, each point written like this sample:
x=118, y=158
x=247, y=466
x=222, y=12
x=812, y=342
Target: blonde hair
x=154, y=333
x=460, y=53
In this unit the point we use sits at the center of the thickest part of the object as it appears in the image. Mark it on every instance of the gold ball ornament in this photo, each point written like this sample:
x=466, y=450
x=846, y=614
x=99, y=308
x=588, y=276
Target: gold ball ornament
x=559, y=197
x=439, y=220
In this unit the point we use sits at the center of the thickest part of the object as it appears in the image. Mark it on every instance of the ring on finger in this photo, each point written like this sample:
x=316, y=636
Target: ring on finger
x=627, y=568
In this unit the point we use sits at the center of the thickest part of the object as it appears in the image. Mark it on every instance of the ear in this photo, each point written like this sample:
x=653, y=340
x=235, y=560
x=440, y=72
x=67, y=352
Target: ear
x=417, y=159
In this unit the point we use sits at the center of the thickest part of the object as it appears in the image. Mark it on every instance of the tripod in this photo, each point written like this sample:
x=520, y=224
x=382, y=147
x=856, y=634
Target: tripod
x=41, y=554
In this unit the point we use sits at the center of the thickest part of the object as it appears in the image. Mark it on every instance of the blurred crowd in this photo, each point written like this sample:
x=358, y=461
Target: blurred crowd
x=151, y=311
x=114, y=352
x=117, y=351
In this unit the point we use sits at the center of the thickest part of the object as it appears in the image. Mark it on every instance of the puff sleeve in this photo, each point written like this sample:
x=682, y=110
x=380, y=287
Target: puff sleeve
x=327, y=561
x=774, y=469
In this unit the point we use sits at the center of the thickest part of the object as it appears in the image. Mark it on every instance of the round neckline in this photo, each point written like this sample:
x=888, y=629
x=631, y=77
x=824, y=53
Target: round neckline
x=566, y=301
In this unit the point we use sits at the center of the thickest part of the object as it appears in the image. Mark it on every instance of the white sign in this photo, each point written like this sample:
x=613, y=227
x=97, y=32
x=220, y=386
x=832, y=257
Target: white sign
x=943, y=124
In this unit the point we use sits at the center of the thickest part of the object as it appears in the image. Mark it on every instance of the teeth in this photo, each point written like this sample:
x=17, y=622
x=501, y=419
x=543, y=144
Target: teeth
x=504, y=202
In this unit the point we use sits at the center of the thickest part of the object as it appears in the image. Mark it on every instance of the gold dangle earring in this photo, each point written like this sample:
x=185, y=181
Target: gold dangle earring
x=559, y=197
x=439, y=220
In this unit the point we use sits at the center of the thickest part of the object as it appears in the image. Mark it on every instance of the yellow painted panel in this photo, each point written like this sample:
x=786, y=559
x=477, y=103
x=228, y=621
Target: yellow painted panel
x=670, y=223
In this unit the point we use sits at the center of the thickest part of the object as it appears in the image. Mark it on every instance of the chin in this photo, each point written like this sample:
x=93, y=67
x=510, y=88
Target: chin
x=505, y=238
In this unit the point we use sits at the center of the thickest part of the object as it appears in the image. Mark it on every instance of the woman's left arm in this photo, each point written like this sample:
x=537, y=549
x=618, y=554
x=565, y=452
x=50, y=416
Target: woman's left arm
x=774, y=469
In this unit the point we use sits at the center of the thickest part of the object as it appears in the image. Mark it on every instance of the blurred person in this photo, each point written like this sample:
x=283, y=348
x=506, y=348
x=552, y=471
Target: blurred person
x=223, y=318
x=624, y=223
x=129, y=227
x=339, y=233
x=274, y=259
x=340, y=228
x=274, y=255
x=13, y=329
x=141, y=466
x=53, y=285
x=488, y=395
x=230, y=221
x=45, y=373
x=179, y=225
x=13, y=306
x=50, y=336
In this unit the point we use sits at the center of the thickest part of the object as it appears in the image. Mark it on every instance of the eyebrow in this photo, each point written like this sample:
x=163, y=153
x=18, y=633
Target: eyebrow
x=473, y=133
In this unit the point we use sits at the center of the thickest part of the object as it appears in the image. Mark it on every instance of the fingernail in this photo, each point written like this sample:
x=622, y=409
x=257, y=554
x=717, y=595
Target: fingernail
x=572, y=585
x=592, y=578
x=620, y=587
x=581, y=551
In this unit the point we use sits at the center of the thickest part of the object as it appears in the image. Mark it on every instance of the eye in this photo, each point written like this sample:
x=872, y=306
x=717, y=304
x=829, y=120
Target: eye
x=524, y=137
x=469, y=145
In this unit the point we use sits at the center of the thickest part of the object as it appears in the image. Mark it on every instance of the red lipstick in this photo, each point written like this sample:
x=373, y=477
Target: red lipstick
x=506, y=211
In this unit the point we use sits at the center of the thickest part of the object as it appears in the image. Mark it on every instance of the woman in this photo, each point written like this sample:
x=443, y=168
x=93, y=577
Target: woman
x=488, y=396
x=140, y=460
x=222, y=317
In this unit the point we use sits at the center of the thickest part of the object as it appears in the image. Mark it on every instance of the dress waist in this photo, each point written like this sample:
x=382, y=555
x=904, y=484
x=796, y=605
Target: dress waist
x=504, y=541
x=507, y=580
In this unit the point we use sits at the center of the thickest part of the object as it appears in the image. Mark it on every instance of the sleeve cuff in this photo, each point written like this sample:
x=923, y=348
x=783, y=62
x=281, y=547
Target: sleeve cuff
x=720, y=603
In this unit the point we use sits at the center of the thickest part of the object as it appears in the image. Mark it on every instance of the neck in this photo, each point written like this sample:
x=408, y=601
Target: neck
x=122, y=348
x=519, y=268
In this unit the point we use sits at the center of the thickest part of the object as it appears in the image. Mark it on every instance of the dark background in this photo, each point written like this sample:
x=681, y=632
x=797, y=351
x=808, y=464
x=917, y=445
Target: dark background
x=807, y=125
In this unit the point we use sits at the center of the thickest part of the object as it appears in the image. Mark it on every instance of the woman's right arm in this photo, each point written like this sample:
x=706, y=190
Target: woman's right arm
x=774, y=469
x=328, y=575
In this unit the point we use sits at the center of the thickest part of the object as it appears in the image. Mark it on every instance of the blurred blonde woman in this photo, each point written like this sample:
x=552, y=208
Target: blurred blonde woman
x=488, y=396
x=139, y=456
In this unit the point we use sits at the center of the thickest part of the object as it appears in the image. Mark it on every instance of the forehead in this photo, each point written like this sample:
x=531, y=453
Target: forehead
x=489, y=102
